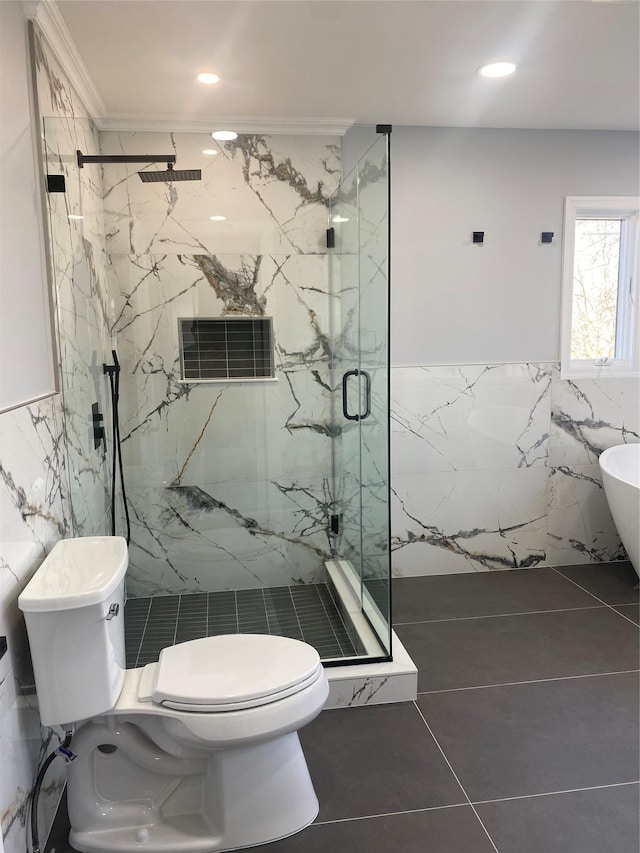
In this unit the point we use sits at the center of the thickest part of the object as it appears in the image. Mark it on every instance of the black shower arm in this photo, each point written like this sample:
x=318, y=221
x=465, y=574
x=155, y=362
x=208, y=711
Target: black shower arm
x=169, y=159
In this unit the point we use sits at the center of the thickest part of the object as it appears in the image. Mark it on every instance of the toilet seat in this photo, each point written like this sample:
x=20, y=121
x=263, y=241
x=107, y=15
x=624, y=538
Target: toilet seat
x=229, y=673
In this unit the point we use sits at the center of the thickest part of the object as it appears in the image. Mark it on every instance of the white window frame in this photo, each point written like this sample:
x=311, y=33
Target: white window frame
x=626, y=208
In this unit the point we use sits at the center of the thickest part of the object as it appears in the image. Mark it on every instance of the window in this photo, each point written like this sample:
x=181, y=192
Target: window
x=600, y=317
x=225, y=348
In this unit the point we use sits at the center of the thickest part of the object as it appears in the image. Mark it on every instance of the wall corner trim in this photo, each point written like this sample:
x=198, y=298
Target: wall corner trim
x=47, y=15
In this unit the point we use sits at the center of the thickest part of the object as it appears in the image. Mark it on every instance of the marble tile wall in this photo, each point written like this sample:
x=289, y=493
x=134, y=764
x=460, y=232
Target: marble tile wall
x=229, y=483
x=495, y=466
x=76, y=236
x=34, y=514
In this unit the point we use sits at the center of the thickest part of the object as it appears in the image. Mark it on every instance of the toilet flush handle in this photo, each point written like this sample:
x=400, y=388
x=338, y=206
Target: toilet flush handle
x=113, y=611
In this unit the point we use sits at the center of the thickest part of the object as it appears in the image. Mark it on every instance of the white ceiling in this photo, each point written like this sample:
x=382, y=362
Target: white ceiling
x=408, y=62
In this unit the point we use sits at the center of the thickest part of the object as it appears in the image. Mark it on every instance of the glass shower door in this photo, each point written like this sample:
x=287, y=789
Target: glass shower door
x=373, y=219
x=359, y=217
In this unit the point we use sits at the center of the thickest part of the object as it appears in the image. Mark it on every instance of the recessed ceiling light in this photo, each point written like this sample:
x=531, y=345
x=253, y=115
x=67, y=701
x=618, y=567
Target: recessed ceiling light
x=208, y=78
x=218, y=218
x=224, y=135
x=497, y=69
x=209, y=152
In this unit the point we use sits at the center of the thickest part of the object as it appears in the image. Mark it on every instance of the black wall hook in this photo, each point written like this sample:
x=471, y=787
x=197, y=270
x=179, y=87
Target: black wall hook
x=478, y=236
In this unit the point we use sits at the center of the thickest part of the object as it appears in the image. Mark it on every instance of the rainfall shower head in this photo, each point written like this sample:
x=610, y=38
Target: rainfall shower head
x=171, y=174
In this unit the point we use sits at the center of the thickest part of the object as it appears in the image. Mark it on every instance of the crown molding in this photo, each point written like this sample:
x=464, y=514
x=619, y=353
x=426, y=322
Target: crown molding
x=51, y=23
x=241, y=124
x=47, y=15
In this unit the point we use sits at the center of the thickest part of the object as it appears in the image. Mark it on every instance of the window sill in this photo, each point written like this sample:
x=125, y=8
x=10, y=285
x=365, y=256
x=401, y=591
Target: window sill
x=605, y=371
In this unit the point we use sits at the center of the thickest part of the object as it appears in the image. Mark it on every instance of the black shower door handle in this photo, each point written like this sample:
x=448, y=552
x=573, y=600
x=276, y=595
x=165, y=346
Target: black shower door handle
x=367, y=395
x=345, y=379
x=367, y=388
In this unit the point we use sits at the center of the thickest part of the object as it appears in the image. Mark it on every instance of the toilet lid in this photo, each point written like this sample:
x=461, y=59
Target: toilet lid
x=233, y=671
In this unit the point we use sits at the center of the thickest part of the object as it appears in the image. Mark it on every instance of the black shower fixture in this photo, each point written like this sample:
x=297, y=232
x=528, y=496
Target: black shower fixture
x=168, y=174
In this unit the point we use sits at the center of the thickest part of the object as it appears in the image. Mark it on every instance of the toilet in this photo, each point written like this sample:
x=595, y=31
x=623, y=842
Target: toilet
x=198, y=752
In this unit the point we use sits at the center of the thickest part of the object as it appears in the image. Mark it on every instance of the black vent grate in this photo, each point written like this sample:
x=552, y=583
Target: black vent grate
x=226, y=348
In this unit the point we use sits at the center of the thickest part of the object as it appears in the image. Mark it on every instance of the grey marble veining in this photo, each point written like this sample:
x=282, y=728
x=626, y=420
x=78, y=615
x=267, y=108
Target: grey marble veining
x=590, y=415
x=81, y=298
x=34, y=513
x=495, y=467
x=228, y=483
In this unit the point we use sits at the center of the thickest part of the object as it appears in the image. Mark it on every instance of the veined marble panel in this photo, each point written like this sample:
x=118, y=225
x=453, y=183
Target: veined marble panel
x=240, y=451
x=465, y=521
x=33, y=502
x=172, y=429
x=470, y=417
x=272, y=190
x=581, y=529
x=590, y=415
x=33, y=490
x=230, y=536
x=76, y=232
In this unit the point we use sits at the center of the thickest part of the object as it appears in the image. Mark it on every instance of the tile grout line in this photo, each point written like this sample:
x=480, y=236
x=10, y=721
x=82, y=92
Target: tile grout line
x=266, y=614
x=330, y=623
x=532, y=681
x=556, y=793
x=144, y=631
x=175, y=630
x=455, y=775
x=474, y=803
x=295, y=610
x=610, y=606
x=389, y=814
x=502, y=615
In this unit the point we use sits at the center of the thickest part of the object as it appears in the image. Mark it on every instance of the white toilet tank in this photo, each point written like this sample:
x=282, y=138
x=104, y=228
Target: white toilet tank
x=74, y=612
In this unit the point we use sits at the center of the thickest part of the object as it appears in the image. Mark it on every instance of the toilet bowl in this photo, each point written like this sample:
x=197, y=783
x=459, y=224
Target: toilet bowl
x=198, y=752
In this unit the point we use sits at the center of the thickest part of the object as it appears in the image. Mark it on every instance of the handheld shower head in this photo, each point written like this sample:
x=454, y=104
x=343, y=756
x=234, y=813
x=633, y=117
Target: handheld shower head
x=171, y=174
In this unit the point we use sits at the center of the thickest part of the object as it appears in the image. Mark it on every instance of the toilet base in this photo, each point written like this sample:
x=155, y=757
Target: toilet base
x=230, y=799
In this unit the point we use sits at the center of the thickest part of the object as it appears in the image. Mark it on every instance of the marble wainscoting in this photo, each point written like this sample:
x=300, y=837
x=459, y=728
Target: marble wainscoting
x=587, y=417
x=82, y=306
x=495, y=467
x=33, y=516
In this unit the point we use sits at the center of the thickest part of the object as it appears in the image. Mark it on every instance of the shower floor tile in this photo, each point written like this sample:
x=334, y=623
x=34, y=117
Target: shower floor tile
x=305, y=613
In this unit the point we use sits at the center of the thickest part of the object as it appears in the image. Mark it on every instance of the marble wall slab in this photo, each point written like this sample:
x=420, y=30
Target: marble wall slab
x=495, y=466
x=229, y=483
x=34, y=514
x=82, y=305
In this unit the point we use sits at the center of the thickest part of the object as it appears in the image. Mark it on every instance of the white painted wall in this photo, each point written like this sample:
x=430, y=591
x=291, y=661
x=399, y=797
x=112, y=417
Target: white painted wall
x=26, y=360
x=459, y=303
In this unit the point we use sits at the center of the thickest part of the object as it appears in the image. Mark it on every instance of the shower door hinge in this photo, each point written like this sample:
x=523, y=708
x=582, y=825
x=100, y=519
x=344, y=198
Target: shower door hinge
x=383, y=128
x=334, y=524
x=331, y=238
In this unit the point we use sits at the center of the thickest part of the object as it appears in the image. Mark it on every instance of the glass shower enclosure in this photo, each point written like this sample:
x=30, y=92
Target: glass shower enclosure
x=261, y=505
x=359, y=232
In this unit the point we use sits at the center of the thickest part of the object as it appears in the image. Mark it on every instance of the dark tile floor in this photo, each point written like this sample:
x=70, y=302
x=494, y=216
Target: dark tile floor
x=525, y=735
x=305, y=612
